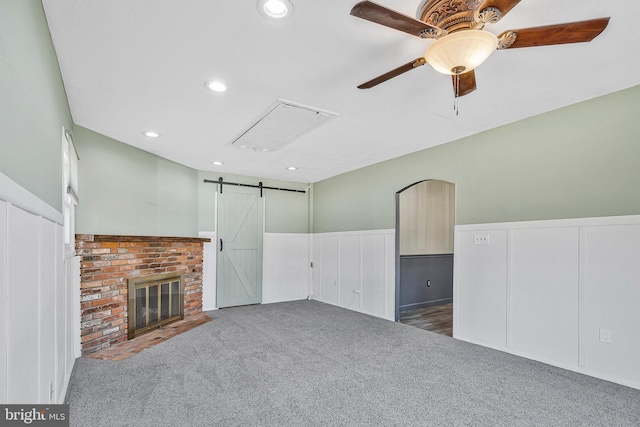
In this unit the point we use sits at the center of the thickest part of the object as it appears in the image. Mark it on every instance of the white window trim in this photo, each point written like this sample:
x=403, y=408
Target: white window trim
x=69, y=191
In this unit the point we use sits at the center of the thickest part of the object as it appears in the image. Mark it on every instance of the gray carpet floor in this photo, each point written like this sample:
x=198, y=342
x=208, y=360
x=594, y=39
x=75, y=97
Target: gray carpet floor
x=307, y=363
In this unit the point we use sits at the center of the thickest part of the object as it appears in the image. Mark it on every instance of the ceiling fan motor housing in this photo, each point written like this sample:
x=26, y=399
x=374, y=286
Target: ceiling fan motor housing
x=451, y=16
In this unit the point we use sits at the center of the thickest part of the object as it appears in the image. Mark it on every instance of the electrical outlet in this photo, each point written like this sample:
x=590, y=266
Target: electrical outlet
x=605, y=336
x=481, y=239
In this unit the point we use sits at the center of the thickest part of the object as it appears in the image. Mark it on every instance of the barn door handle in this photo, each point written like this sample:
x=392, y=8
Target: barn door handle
x=221, y=245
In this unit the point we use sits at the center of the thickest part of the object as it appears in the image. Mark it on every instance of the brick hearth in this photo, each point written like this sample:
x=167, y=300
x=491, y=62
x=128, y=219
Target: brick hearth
x=106, y=265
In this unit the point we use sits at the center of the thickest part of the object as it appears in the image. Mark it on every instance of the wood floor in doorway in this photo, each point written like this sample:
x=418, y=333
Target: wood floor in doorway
x=438, y=319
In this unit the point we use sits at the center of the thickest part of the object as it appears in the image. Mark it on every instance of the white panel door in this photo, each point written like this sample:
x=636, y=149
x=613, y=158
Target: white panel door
x=480, y=288
x=47, y=307
x=612, y=295
x=329, y=269
x=22, y=307
x=3, y=301
x=373, y=274
x=349, y=272
x=240, y=231
x=544, y=292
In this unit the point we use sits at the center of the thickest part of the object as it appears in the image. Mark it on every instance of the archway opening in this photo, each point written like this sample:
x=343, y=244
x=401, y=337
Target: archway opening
x=425, y=219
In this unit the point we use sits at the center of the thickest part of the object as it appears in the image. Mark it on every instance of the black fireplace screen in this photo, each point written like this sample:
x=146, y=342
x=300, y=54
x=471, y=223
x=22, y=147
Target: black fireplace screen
x=154, y=301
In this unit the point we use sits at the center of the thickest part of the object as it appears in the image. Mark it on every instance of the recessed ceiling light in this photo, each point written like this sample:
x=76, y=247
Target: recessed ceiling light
x=152, y=134
x=277, y=9
x=292, y=168
x=216, y=86
x=218, y=163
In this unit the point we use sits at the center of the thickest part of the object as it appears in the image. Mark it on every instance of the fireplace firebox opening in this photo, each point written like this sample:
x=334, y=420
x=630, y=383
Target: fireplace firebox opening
x=154, y=301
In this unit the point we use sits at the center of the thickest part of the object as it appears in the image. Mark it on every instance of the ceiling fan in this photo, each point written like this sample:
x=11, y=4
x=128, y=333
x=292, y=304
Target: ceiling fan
x=461, y=43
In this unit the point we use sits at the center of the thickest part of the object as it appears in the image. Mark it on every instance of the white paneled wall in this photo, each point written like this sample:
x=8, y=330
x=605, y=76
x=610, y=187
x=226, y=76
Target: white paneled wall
x=286, y=267
x=611, y=289
x=480, y=288
x=39, y=300
x=564, y=292
x=355, y=270
x=544, y=293
x=209, y=271
x=3, y=302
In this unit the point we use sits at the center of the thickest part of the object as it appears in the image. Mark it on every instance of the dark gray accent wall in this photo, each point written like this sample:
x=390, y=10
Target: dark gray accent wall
x=425, y=281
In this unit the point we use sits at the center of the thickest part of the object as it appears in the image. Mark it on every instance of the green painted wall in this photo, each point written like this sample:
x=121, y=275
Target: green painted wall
x=124, y=190
x=127, y=191
x=578, y=161
x=285, y=212
x=33, y=102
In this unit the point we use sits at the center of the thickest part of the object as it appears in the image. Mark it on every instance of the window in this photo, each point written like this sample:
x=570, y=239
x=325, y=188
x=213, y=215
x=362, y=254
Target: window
x=69, y=191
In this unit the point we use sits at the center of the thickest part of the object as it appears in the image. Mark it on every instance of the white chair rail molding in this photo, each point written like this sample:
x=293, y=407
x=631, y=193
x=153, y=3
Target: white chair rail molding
x=563, y=292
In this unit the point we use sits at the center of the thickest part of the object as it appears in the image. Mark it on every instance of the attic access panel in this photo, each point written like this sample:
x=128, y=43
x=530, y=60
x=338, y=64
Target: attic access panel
x=280, y=124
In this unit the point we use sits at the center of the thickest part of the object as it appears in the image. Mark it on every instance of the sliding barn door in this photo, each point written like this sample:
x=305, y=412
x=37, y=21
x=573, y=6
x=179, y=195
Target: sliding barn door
x=240, y=229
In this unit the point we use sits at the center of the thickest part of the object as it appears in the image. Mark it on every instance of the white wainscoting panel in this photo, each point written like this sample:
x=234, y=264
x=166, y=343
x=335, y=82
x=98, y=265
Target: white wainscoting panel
x=569, y=289
x=73, y=348
x=349, y=274
x=328, y=265
x=480, y=287
x=355, y=270
x=286, y=267
x=210, y=253
x=39, y=322
x=62, y=317
x=612, y=296
x=316, y=262
x=3, y=301
x=544, y=292
x=374, y=269
x=47, y=310
x=390, y=278
x=22, y=306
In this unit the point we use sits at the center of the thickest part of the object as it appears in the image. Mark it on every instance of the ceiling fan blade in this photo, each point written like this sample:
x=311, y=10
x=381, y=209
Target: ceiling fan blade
x=504, y=6
x=393, y=73
x=572, y=32
x=389, y=18
x=466, y=84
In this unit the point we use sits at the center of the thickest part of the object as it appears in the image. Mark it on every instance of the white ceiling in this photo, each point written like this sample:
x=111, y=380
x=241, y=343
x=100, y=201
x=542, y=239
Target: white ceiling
x=134, y=65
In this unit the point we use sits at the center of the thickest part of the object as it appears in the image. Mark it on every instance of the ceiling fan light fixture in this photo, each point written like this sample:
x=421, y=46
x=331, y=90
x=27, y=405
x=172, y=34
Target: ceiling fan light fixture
x=461, y=52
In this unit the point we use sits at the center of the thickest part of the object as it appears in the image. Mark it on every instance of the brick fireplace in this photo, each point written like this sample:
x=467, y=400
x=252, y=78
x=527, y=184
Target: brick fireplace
x=108, y=262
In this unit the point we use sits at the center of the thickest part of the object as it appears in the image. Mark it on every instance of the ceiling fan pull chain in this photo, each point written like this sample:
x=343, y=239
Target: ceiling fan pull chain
x=456, y=101
x=455, y=90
